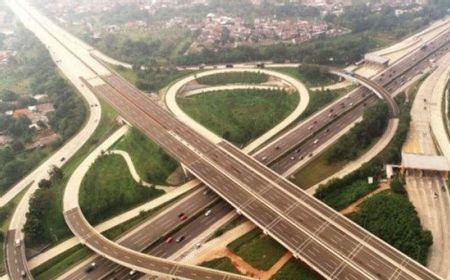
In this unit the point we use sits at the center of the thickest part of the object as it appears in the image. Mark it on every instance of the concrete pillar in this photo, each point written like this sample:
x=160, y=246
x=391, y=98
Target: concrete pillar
x=187, y=175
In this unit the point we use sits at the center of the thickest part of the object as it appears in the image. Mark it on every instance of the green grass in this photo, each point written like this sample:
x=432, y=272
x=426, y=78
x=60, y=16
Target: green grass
x=257, y=249
x=54, y=267
x=54, y=221
x=233, y=78
x=239, y=115
x=152, y=163
x=294, y=270
x=343, y=197
x=223, y=264
x=108, y=189
x=293, y=72
x=316, y=171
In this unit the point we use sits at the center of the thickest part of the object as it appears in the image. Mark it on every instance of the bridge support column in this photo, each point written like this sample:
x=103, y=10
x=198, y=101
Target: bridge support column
x=187, y=175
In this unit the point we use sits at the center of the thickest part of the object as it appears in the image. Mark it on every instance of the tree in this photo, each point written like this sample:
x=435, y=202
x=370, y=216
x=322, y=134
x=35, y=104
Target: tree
x=45, y=184
x=397, y=185
x=56, y=173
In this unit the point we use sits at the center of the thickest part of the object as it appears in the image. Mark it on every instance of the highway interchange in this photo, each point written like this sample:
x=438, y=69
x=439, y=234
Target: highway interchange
x=250, y=191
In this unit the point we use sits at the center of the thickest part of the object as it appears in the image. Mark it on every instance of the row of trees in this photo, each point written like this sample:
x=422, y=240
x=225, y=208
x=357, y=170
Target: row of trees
x=234, y=78
x=36, y=232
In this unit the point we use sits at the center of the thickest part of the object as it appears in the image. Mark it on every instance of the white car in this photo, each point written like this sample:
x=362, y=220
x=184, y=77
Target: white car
x=207, y=213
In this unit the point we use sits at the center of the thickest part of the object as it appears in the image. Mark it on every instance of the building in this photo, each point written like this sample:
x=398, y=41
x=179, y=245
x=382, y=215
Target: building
x=425, y=164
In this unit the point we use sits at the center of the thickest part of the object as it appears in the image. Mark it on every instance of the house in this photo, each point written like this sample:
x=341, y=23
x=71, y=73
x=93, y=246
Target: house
x=45, y=108
x=41, y=97
x=21, y=112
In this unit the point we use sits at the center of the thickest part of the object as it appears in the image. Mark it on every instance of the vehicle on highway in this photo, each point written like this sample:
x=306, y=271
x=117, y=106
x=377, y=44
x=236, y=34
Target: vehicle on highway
x=316, y=141
x=18, y=242
x=205, y=192
x=62, y=159
x=169, y=240
x=23, y=274
x=198, y=245
x=179, y=239
x=260, y=65
x=182, y=216
x=208, y=213
x=229, y=66
x=90, y=267
x=132, y=272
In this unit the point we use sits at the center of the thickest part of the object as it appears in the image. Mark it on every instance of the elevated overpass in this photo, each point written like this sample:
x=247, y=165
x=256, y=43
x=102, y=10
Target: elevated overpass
x=307, y=218
x=372, y=86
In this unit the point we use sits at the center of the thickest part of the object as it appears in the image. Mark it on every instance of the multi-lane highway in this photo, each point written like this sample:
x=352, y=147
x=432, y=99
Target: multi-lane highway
x=321, y=237
x=226, y=169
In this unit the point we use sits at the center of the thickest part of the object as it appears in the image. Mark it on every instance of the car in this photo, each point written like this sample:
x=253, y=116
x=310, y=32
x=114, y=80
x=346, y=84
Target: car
x=205, y=192
x=309, y=128
x=90, y=267
x=264, y=158
x=132, y=272
x=179, y=239
x=23, y=274
x=301, y=157
x=327, y=130
x=183, y=218
x=229, y=66
x=62, y=159
x=207, y=213
x=316, y=141
x=330, y=115
x=169, y=239
x=181, y=215
x=311, y=154
x=292, y=158
x=298, y=150
x=277, y=147
x=18, y=242
x=351, y=104
x=198, y=245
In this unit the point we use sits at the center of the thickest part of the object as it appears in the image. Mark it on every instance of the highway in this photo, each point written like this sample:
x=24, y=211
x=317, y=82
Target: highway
x=285, y=148
x=304, y=226
x=246, y=186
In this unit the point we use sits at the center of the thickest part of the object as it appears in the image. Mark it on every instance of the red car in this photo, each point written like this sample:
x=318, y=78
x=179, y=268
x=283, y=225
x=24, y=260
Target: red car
x=169, y=240
x=182, y=216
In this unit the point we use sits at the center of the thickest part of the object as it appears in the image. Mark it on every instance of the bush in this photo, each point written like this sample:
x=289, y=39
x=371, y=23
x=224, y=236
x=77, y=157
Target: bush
x=233, y=78
x=398, y=186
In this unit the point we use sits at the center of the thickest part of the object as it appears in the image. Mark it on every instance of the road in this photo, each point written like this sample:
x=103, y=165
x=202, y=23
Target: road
x=223, y=168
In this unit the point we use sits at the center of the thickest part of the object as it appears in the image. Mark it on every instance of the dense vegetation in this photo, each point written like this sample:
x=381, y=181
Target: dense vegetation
x=362, y=135
x=239, y=115
x=359, y=17
x=151, y=162
x=32, y=72
x=148, y=77
x=341, y=197
x=315, y=74
x=108, y=189
x=335, y=51
x=257, y=249
x=393, y=218
x=233, y=78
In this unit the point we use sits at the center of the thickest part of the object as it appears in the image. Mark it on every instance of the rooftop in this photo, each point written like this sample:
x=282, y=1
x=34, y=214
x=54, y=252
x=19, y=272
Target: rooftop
x=425, y=162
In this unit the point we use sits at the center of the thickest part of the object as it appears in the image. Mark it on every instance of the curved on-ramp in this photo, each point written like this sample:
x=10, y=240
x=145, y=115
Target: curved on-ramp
x=172, y=104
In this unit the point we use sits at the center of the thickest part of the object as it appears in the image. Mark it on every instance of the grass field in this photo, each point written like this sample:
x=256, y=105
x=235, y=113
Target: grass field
x=108, y=189
x=316, y=171
x=151, y=162
x=293, y=270
x=223, y=264
x=233, y=78
x=257, y=249
x=239, y=115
